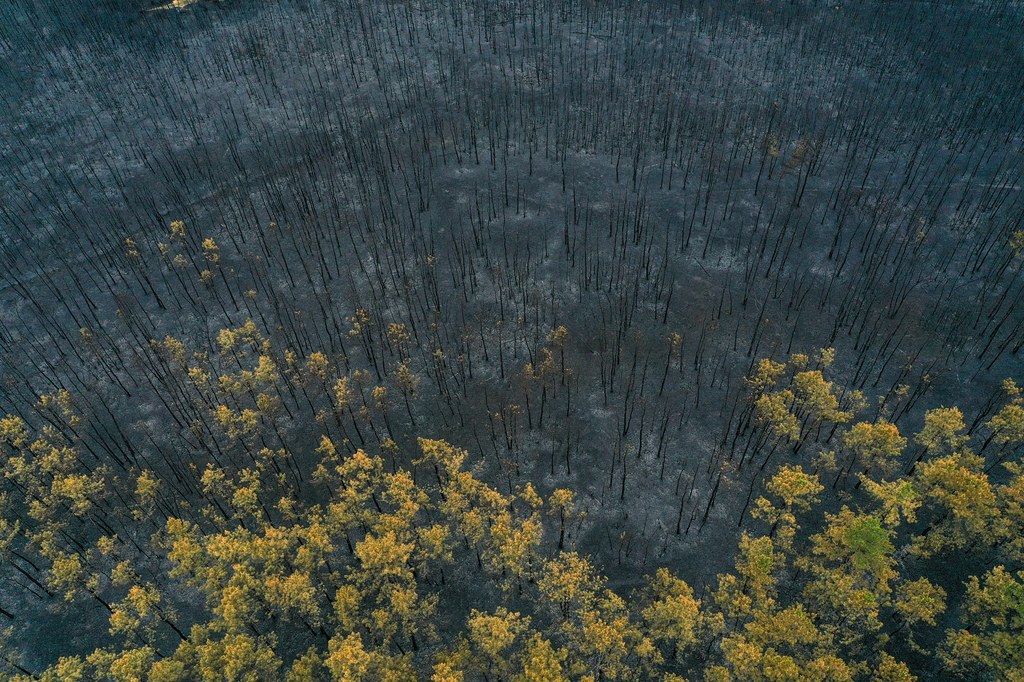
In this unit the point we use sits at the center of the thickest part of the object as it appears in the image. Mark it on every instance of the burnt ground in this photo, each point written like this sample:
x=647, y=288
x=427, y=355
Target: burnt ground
x=761, y=178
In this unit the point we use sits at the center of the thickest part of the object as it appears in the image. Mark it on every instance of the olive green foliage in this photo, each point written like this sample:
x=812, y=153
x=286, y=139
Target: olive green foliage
x=431, y=572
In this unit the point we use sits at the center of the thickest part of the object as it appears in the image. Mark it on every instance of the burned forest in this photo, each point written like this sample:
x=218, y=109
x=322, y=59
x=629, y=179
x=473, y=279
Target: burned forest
x=539, y=341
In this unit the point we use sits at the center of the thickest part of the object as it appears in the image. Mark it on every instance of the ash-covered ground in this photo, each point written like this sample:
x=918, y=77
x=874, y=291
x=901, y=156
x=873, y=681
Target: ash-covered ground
x=760, y=178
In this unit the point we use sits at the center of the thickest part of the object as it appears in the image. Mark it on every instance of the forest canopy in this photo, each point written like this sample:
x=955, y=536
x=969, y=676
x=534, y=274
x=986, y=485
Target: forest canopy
x=341, y=564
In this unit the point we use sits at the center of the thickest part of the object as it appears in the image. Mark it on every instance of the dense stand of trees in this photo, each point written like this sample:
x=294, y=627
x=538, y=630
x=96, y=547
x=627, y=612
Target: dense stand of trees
x=343, y=564
x=587, y=243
